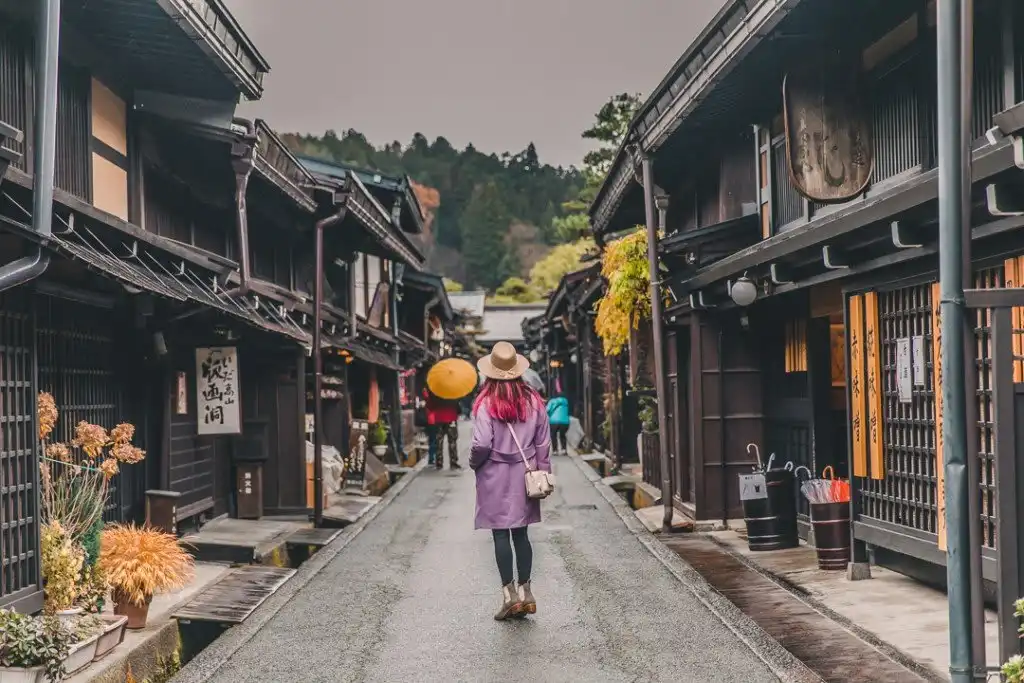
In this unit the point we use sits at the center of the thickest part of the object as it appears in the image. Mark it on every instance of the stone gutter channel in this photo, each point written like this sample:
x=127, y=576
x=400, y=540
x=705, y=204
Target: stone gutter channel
x=798, y=636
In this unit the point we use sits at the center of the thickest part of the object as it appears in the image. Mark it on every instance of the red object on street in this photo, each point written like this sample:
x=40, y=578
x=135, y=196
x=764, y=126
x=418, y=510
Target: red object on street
x=441, y=411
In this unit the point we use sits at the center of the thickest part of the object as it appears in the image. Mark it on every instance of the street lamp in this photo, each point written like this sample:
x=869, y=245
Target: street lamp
x=743, y=291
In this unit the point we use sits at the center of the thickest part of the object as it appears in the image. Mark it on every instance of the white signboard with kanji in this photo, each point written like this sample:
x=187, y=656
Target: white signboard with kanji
x=217, y=403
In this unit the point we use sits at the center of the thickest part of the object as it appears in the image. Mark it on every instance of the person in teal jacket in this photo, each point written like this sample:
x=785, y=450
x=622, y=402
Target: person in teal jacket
x=558, y=416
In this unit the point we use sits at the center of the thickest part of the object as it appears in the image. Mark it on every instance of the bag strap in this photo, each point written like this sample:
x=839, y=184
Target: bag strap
x=521, y=453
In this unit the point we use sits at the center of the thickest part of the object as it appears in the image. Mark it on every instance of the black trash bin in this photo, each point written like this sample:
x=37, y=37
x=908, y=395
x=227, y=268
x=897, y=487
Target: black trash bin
x=771, y=520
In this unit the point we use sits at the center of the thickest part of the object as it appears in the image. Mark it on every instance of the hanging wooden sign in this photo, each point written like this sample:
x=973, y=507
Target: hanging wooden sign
x=940, y=474
x=218, y=409
x=857, y=381
x=875, y=390
x=828, y=136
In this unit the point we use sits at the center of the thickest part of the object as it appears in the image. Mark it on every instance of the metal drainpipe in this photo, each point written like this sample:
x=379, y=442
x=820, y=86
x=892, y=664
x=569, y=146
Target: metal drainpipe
x=954, y=172
x=318, y=365
x=243, y=166
x=45, y=146
x=659, y=346
x=397, y=412
x=722, y=466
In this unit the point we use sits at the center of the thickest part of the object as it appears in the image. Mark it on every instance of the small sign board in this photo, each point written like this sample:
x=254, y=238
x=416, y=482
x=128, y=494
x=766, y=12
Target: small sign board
x=904, y=378
x=917, y=357
x=218, y=409
x=753, y=486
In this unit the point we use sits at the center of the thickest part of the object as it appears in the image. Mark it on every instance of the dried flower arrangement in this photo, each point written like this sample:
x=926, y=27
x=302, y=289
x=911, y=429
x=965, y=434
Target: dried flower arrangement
x=75, y=478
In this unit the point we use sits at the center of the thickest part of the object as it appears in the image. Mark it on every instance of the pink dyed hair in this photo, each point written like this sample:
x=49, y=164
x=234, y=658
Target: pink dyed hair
x=508, y=400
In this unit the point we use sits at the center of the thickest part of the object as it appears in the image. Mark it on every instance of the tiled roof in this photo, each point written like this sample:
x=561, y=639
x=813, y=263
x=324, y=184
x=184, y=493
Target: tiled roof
x=505, y=323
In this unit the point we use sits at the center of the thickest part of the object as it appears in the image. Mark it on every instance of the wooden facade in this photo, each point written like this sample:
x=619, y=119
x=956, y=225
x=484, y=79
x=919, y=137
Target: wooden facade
x=839, y=351
x=175, y=230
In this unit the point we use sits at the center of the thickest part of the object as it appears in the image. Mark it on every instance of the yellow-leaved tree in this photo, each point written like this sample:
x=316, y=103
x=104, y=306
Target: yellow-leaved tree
x=627, y=300
x=559, y=262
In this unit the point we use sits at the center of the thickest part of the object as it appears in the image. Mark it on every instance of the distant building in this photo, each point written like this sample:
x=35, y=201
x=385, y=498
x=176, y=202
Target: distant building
x=504, y=322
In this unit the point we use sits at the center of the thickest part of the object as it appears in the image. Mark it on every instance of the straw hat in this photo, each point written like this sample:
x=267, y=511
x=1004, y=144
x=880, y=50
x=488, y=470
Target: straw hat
x=503, y=363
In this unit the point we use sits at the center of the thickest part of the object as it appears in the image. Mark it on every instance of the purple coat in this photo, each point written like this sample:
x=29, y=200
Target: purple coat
x=501, y=501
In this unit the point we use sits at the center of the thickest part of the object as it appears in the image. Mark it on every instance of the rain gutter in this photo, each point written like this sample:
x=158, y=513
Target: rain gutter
x=30, y=267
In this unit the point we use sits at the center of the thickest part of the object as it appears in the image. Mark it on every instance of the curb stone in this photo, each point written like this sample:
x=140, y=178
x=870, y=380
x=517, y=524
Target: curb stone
x=206, y=664
x=778, y=659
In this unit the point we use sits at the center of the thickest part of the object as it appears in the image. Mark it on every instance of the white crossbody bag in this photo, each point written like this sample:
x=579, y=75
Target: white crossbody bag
x=539, y=484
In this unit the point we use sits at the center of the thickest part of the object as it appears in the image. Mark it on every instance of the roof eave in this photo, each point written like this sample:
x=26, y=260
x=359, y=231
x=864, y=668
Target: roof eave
x=663, y=112
x=243, y=65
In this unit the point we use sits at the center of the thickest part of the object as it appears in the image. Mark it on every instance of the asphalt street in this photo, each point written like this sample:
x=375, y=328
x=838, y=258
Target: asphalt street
x=411, y=598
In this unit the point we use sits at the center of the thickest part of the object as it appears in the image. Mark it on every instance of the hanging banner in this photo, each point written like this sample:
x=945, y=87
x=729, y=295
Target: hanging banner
x=875, y=390
x=217, y=403
x=940, y=474
x=857, y=382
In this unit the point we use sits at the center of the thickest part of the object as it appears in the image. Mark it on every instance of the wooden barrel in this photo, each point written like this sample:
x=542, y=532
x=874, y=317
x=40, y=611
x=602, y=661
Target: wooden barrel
x=771, y=521
x=831, y=534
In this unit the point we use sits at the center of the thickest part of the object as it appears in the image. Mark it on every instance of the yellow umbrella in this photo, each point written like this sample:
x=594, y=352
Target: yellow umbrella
x=452, y=378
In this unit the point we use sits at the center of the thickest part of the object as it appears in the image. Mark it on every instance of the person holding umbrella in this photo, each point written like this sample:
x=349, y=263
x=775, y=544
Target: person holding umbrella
x=448, y=381
x=511, y=441
x=442, y=423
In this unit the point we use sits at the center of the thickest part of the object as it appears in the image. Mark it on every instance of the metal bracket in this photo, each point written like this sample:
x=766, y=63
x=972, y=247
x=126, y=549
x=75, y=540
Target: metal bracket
x=1018, y=152
x=832, y=258
x=697, y=302
x=778, y=274
x=904, y=237
x=1002, y=203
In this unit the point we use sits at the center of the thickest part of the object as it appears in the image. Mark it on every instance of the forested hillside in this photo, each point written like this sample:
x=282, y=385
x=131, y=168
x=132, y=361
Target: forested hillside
x=479, y=198
x=492, y=216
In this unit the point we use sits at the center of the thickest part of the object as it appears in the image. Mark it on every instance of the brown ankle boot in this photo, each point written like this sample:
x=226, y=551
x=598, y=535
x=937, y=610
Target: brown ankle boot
x=509, y=602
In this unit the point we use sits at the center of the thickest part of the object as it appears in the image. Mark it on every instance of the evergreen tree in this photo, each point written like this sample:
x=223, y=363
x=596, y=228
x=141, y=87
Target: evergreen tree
x=484, y=224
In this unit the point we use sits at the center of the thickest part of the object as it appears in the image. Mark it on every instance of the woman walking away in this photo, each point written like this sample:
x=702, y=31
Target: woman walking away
x=558, y=416
x=510, y=429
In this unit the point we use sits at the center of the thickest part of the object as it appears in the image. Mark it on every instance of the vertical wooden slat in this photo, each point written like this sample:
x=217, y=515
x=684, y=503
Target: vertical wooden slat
x=872, y=352
x=940, y=478
x=857, y=382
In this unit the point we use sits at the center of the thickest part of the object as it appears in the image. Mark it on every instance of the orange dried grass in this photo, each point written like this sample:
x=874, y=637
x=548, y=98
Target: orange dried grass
x=140, y=562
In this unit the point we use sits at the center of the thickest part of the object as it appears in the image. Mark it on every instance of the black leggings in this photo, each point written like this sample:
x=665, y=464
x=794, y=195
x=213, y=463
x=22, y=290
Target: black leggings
x=503, y=553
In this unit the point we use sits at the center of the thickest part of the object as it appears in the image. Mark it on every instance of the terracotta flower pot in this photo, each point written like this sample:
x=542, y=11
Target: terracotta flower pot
x=137, y=614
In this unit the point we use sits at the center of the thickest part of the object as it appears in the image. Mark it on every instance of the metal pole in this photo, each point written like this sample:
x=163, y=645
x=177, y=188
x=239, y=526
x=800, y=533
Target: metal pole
x=970, y=342
x=318, y=365
x=951, y=294
x=656, y=323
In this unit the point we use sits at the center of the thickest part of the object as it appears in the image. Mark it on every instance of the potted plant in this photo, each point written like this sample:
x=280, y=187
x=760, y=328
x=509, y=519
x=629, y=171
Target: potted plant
x=138, y=563
x=62, y=569
x=32, y=650
x=111, y=635
x=379, y=438
x=85, y=632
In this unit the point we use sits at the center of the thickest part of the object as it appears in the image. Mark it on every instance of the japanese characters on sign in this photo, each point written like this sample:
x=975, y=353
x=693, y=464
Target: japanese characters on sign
x=917, y=357
x=181, y=404
x=904, y=380
x=217, y=391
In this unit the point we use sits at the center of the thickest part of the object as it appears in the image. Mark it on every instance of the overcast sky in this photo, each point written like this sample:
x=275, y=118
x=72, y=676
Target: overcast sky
x=497, y=73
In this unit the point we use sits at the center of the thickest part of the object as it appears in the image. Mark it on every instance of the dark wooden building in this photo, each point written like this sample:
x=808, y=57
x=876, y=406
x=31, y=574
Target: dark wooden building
x=833, y=361
x=87, y=330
